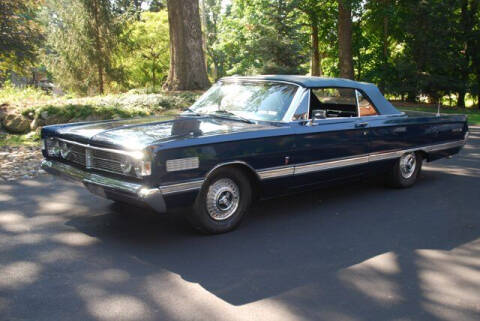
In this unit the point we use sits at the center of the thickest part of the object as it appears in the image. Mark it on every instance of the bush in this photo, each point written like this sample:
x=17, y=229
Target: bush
x=109, y=107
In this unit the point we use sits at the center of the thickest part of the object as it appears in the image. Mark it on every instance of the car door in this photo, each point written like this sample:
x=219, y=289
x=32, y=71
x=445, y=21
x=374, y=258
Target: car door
x=333, y=148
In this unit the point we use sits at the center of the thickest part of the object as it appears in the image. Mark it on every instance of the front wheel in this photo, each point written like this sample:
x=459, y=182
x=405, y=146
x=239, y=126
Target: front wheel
x=406, y=170
x=222, y=202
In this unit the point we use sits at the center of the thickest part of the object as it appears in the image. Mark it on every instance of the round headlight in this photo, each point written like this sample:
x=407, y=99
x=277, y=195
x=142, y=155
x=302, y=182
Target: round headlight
x=126, y=166
x=55, y=149
x=64, y=150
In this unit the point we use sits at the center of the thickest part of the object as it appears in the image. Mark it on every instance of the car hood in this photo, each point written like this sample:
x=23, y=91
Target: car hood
x=138, y=133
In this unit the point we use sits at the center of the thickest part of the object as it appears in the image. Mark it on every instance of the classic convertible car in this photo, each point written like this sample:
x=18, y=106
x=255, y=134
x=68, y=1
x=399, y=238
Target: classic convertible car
x=248, y=138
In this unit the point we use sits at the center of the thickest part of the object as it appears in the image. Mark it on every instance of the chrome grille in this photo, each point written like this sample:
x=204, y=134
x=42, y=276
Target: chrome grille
x=77, y=155
x=106, y=165
x=107, y=155
x=98, y=159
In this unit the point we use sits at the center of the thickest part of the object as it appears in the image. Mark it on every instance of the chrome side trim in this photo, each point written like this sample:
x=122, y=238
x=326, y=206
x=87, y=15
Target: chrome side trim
x=233, y=163
x=276, y=172
x=320, y=166
x=181, y=187
x=434, y=148
x=385, y=155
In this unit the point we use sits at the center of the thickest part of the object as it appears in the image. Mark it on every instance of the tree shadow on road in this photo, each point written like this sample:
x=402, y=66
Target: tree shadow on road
x=355, y=252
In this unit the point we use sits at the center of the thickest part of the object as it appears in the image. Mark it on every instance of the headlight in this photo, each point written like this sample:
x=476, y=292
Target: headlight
x=126, y=166
x=64, y=150
x=53, y=148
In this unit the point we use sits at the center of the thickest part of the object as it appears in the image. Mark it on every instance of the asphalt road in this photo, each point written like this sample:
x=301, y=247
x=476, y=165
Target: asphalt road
x=360, y=252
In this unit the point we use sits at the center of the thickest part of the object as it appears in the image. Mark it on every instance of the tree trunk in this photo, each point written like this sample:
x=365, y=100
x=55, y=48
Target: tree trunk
x=187, y=60
x=461, y=98
x=478, y=90
x=316, y=69
x=381, y=84
x=154, y=80
x=98, y=47
x=345, y=55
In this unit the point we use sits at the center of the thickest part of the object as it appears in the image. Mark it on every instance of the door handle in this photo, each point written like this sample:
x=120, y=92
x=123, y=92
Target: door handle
x=361, y=125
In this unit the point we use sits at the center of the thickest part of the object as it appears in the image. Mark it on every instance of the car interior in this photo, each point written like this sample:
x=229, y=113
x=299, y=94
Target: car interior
x=333, y=102
x=338, y=102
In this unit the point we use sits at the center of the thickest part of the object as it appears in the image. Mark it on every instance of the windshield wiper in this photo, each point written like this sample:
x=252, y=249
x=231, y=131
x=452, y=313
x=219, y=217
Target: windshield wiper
x=233, y=115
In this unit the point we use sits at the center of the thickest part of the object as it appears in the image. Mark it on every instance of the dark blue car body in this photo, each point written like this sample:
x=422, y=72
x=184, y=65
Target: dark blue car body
x=279, y=157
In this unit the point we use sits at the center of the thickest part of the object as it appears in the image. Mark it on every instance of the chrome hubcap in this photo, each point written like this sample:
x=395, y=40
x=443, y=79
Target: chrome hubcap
x=408, y=163
x=223, y=198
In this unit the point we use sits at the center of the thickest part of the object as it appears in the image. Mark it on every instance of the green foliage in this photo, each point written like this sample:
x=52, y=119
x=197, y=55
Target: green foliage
x=415, y=50
x=126, y=105
x=255, y=37
x=144, y=54
x=20, y=35
x=12, y=95
x=30, y=139
x=82, y=36
x=473, y=114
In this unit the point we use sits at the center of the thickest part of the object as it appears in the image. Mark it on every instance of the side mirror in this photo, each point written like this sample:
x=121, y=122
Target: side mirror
x=319, y=114
x=316, y=115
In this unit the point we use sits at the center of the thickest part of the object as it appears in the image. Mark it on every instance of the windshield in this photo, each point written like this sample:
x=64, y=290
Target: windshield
x=247, y=99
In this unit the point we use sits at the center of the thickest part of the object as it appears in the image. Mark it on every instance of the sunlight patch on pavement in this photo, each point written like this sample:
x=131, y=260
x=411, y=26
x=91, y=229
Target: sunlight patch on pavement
x=18, y=274
x=118, y=308
x=108, y=276
x=5, y=198
x=450, y=281
x=185, y=299
x=74, y=239
x=63, y=254
x=464, y=171
x=375, y=278
x=106, y=306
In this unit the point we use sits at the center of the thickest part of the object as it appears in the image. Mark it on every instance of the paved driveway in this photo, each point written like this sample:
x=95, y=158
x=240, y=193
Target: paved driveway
x=360, y=252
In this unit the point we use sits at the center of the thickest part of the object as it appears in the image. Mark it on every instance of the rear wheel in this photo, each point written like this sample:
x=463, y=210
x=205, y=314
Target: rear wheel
x=406, y=170
x=222, y=202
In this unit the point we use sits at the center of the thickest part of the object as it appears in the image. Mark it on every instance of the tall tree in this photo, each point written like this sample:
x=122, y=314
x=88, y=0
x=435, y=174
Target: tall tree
x=81, y=41
x=320, y=19
x=20, y=34
x=471, y=36
x=101, y=31
x=345, y=53
x=187, y=60
x=143, y=52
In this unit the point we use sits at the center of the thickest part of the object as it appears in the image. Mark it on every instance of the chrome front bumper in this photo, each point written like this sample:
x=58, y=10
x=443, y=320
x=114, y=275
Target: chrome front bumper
x=110, y=188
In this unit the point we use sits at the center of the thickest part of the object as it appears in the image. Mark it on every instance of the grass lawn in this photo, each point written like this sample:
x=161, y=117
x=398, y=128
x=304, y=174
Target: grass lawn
x=30, y=139
x=473, y=114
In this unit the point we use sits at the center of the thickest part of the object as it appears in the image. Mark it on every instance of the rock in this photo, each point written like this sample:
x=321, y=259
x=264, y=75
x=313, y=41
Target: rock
x=93, y=117
x=18, y=162
x=15, y=123
x=55, y=119
x=3, y=111
x=34, y=124
x=44, y=115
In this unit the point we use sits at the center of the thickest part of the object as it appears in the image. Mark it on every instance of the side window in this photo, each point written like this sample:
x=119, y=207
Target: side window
x=302, y=110
x=365, y=107
x=336, y=102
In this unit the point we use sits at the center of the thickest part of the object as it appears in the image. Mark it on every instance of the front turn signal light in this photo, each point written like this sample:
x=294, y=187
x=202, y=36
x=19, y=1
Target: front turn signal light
x=143, y=168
